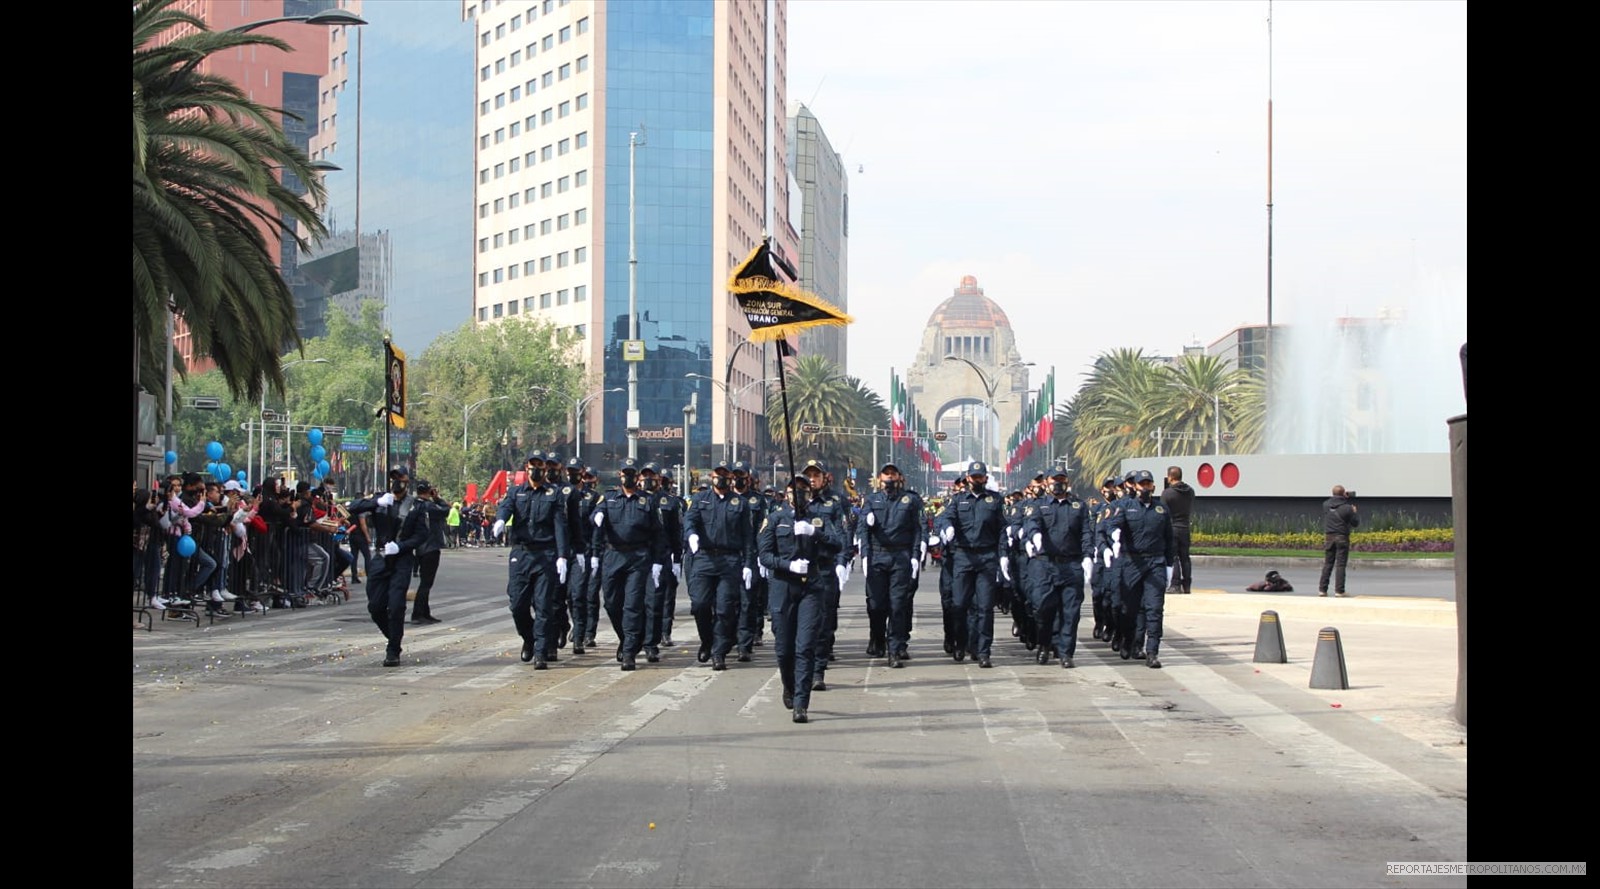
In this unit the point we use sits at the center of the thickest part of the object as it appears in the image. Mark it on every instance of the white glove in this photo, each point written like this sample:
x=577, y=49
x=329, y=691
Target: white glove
x=1008, y=533
x=949, y=533
x=803, y=529
x=561, y=570
x=386, y=499
x=1088, y=568
x=1038, y=542
x=1169, y=577
x=594, y=563
x=1105, y=556
x=1029, y=548
x=764, y=572
x=694, y=543
x=1116, y=536
x=746, y=574
x=843, y=573
x=676, y=568
x=800, y=566
x=1116, y=550
x=655, y=574
x=872, y=519
x=599, y=519
x=499, y=527
x=1005, y=567
x=933, y=540
x=391, y=548
x=915, y=567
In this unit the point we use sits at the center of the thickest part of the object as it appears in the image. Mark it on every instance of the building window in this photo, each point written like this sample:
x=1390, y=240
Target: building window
x=544, y=300
x=516, y=128
x=582, y=330
x=483, y=245
x=547, y=78
x=499, y=135
x=498, y=310
x=566, y=33
x=580, y=216
x=561, y=223
x=581, y=178
x=484, y=39
x=513, y=236
x=516, y=22
x=544, y=190
x=580, y=255
x=513, y=200
x=565, y=71
x=583, y=101
x=483, y=211
x=500, y=100
x=483, y=141
x=516, y=57
x=583, y=25
x=528, y=268
x=564, y=109
x=483, y=313
x=511, y=307
x=499, y=170
x=530, y=158
x=564, y=146
x=500, y=65
x=499, y=30
x=544, y=228
x=529, y=87
x=527, y=304
x=484, y=74
x=514, y=165
x=483, y=107
x=548, y=5
x=544, y=263
x=561, y=297
x=499, y=241
x=516, y=93
x=530, y=194
x=483, y=175
x=513, y=272
x=528, y=231
x=533, y=49
x=579, y=294
x=561, y=260
x=561, y=185
x=547, y=152
x=582, y=139
x=499, y=275
x=548, y=42
x=483, y=279
x=499, y=204
x=583, y=64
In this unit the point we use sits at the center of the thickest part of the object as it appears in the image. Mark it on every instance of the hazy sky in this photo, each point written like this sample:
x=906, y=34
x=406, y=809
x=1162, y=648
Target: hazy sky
x=1101, y=167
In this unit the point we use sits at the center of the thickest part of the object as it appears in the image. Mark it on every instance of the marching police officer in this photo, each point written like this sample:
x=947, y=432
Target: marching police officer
x=1148, y=548
x=537, y=512
x=788, y=545
x=579, y=538
x=752, y=604
x=596, y=549
x=628, y=530
x=671, y=511
x=719, y=535
x=833, y=548
x=397, y=530
x=975, y=529
x=560, y=621
x=671, y=519
x=889, y=536
x=954, y=621
x=1104, y=615
x=1059, y=533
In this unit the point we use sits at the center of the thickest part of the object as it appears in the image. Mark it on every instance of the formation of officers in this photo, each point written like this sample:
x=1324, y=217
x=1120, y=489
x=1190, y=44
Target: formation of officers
x=746, y=554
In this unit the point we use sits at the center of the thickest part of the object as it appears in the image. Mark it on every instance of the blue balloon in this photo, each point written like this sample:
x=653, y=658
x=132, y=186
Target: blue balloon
x=240, y=476
x=172, y=457
x=317, y=453
x=211, y=469
x=224, y=471
x=323, y=467
x=315, y=435
x=186, y=546
x=214, y=450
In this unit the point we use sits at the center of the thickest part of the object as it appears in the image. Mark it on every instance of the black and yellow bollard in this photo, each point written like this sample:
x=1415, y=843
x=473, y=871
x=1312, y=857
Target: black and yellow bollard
x=1327, y=670
x=1269, y=640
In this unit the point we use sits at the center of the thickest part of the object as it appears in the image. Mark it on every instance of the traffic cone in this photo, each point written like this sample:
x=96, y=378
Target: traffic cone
x=1269, y=640
x=1327, y=670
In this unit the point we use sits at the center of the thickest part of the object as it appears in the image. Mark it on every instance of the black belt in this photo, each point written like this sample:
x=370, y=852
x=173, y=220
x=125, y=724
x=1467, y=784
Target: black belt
x=722, y=550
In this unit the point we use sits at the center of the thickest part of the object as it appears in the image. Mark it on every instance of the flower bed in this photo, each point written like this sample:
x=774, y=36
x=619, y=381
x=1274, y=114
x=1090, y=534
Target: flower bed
x=1420, y=540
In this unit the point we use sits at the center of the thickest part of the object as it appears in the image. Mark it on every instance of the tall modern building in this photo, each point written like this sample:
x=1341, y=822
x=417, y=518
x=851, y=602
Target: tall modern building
x=824, y=216
x=634, y=153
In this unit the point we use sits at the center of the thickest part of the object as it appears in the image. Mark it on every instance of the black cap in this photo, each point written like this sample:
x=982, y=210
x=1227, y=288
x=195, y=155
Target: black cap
x=722, y=464
x=1130, y=476
x=818, y=465
x=399, y=472
x=553, y=457
x=666, y=474
x=976, y=467
x=1110, y=482
x=652, y=466
x=888, y=466
x=1039, y=476
x=423, y=484
x=740, y=466
x=574, y=463
x=1143, y=476
x=1060, y=472
x=629, y=465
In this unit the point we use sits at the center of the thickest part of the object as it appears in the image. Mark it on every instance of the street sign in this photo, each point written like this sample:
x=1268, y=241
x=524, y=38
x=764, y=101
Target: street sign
x=633, y=350
x=940, y=436
x=333, y=430
x=205, y=403
x=268, y=416
x=277, y=450
x=1228, y=436
x=810, y=428
x=356, y=440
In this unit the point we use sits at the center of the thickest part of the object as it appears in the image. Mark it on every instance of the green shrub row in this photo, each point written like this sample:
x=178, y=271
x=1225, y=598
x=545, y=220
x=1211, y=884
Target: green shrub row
x=1418, y=540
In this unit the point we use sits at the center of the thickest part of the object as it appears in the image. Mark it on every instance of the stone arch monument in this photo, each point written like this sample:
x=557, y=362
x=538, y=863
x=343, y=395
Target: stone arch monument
x=968, y=379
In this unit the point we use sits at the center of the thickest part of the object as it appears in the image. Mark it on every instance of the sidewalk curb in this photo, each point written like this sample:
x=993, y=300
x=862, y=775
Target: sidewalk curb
x=1328, y=611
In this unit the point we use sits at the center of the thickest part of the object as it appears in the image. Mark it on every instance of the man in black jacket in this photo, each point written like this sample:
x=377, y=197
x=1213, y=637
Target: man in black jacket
x=1178, y=498
x=1338, y=520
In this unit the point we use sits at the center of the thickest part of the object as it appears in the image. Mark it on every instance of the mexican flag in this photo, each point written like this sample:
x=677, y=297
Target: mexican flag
x=897, y=409
x=1046, y=426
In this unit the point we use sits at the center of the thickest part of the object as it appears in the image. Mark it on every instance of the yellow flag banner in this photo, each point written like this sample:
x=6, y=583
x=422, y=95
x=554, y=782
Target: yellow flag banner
x=776, y=308
x=395, y=384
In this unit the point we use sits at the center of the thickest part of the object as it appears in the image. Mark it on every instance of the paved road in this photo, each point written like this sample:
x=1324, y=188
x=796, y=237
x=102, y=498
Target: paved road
x=1429, y=580
x=275, y=751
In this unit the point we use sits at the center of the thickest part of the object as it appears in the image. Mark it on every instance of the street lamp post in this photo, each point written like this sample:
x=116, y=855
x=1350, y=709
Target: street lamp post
x=992, y=447
x=577, y=417
x=263, y=467
x=633, y=308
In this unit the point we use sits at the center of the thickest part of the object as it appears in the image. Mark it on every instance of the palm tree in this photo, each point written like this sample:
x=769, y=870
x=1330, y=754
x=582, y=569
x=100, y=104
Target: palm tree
x=819, y=393
x=208, y=201
x=1115, y=411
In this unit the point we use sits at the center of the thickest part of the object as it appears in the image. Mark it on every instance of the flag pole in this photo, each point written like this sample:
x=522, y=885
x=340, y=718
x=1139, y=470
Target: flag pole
x=783, y=389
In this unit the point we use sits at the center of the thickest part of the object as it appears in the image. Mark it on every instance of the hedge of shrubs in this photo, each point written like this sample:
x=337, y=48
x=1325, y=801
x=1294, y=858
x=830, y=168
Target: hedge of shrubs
x=1412, y=540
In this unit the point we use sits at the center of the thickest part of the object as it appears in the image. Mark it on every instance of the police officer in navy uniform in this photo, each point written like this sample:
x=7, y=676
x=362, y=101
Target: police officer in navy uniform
x=954, y=622
x=596, y=549
x=666, y=506
x=1126, y=609
x=1148, y=547
x=397, y=530
x=834, y=549
x=752, y=608
x=889, y=536
x=1059, y=535
x=1104, y=616
x=975, y=531
x=560, y=622
x=579, y=538
x=718, y=532
x=788, y=545
x=671, y=510
x=537, y=513
x=628, y=531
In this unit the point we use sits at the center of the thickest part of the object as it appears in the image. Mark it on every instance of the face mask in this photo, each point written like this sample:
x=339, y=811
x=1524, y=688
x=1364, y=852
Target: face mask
x=1058, y=489
x=893, y=487
x=398, y=487
x=651, y=483
x=630, y=480
x=1144, y=494
x=740, y=482
x=801, y=495
x=720, y=482
x=535, y=475
x=574, y=476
